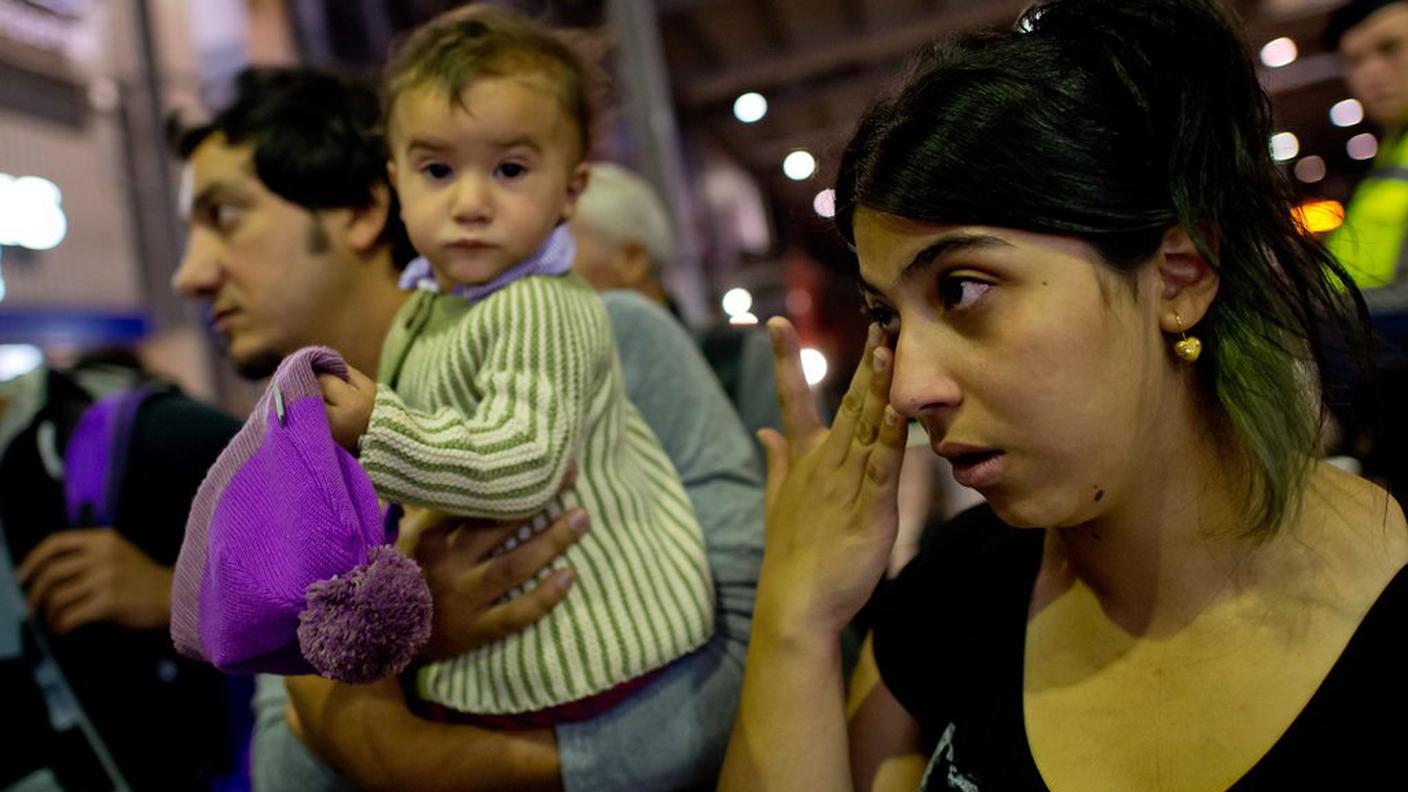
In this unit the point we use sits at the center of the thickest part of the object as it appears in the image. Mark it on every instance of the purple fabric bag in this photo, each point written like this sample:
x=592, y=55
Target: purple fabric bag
x=286, y=566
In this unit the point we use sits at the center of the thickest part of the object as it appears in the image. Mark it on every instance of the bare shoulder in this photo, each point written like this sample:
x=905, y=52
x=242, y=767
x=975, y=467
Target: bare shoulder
x=1356, y=517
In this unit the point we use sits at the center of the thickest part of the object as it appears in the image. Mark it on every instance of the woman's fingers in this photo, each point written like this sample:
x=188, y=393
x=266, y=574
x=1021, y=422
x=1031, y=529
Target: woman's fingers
x=874, y=417
x=800, y=420
x=877, y=397
x=878, y=500
x=853, y=405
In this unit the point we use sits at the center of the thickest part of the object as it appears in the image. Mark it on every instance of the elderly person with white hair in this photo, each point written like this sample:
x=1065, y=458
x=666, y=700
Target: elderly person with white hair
x=625, y=242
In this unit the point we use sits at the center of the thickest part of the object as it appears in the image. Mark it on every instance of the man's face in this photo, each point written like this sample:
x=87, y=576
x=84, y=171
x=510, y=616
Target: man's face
x=267, y=267
x=1375, y=57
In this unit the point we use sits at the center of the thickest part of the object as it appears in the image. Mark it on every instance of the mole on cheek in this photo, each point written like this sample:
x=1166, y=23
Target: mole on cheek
x=1099, y=493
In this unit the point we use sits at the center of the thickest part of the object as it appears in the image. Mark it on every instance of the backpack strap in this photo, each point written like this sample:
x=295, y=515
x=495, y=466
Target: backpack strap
x=95, y=460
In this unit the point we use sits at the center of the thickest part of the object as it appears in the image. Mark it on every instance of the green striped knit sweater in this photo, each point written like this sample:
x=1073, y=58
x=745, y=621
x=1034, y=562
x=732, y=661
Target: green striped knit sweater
x=480, y=409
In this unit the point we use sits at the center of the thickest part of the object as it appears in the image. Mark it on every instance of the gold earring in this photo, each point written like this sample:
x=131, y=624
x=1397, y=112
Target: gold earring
x=1189, y=348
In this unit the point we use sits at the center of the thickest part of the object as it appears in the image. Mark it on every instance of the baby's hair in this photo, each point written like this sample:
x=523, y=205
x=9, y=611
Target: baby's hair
x=482, y=40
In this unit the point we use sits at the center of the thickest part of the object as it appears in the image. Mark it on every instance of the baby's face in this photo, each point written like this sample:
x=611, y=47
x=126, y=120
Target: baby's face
x=483, y=181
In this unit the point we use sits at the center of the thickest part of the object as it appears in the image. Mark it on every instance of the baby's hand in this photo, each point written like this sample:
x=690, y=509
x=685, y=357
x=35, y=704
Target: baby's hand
x=349, y=405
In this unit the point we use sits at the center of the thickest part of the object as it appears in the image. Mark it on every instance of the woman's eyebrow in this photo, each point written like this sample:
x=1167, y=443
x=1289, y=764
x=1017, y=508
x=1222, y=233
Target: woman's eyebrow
x=957, y=242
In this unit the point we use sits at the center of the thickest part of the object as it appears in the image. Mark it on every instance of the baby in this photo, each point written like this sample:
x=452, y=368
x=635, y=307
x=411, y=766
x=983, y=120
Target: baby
x=503, y=372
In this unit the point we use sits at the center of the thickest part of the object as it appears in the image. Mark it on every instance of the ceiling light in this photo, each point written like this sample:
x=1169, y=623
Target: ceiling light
x=750, y=107
x=1310, y=169
x=1346, y=113
x=799, y=165
x=1278, y=52
x=1284, y=146
x=1362, y=146
x=737, y=301
x=813, y=365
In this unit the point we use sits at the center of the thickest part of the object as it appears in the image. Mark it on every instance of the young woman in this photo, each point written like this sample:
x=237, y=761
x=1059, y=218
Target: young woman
x=1088, y=287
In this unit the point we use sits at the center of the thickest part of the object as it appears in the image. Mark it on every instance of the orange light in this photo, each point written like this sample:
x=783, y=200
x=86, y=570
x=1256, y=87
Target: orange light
x=1319, y=217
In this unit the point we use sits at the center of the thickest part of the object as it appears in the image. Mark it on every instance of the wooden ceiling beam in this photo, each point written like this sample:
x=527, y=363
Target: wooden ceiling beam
x=773, y=26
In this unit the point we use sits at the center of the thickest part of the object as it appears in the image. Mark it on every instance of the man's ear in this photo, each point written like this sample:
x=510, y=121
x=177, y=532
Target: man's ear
x=633, y=265
x=576, y=185
x=365, y=224
x=1188, y=283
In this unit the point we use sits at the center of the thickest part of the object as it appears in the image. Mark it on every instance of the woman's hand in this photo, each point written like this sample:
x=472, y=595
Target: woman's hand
x=831, y=494
x=832, y=516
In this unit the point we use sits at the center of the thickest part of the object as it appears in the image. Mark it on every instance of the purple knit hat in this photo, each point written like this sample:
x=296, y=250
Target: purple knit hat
x=286, y=566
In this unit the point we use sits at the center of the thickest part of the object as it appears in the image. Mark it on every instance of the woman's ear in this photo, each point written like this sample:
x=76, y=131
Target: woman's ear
x=1188, y=282
x=365, y=224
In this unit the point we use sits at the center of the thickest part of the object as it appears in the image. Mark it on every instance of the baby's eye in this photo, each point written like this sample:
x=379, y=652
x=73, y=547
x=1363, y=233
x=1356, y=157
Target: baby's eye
x=959, y=293
x=512, y=170
x=436, y=171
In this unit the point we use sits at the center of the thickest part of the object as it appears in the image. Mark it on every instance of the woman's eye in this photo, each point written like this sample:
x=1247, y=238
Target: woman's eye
x=884, y=316
x=512, y=170
x=224, y=216
x=959, y=293
x=436, y=171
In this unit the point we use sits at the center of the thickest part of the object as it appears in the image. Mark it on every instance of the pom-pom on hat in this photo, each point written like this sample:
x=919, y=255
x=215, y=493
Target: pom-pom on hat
x=286, y=566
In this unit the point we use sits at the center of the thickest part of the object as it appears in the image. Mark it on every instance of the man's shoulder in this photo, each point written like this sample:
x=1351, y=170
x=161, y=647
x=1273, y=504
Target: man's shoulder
x=635, y=310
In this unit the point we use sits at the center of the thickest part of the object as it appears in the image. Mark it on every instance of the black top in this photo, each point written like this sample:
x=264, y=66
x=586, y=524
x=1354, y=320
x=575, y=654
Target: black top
x=950, y=637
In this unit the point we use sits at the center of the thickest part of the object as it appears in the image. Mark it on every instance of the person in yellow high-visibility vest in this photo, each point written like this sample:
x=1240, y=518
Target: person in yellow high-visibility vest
x=1371, y=37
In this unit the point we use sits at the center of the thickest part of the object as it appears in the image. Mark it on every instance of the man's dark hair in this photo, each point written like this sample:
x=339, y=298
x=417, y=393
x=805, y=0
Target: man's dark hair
x=317, y=142
x=1348, y=16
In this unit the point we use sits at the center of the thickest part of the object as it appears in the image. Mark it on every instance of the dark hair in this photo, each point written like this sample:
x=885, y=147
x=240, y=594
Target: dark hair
x=482, y=40
x=317, y=142
x=1348, y=16
x=1112, y=121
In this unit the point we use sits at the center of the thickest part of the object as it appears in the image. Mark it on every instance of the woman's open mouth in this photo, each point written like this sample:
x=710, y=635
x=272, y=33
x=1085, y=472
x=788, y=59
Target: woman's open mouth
x=978, y=469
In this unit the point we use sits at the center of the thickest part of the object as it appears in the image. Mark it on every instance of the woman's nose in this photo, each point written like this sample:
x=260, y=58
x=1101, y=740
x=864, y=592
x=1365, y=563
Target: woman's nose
x=922, y=384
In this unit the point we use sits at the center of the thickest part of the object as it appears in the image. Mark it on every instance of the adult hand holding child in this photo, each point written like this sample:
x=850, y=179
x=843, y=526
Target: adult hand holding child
x=468, y=575
x=469, y=572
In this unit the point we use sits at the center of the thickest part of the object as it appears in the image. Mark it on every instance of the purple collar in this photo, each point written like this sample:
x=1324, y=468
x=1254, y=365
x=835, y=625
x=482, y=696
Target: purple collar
x=554, y=257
